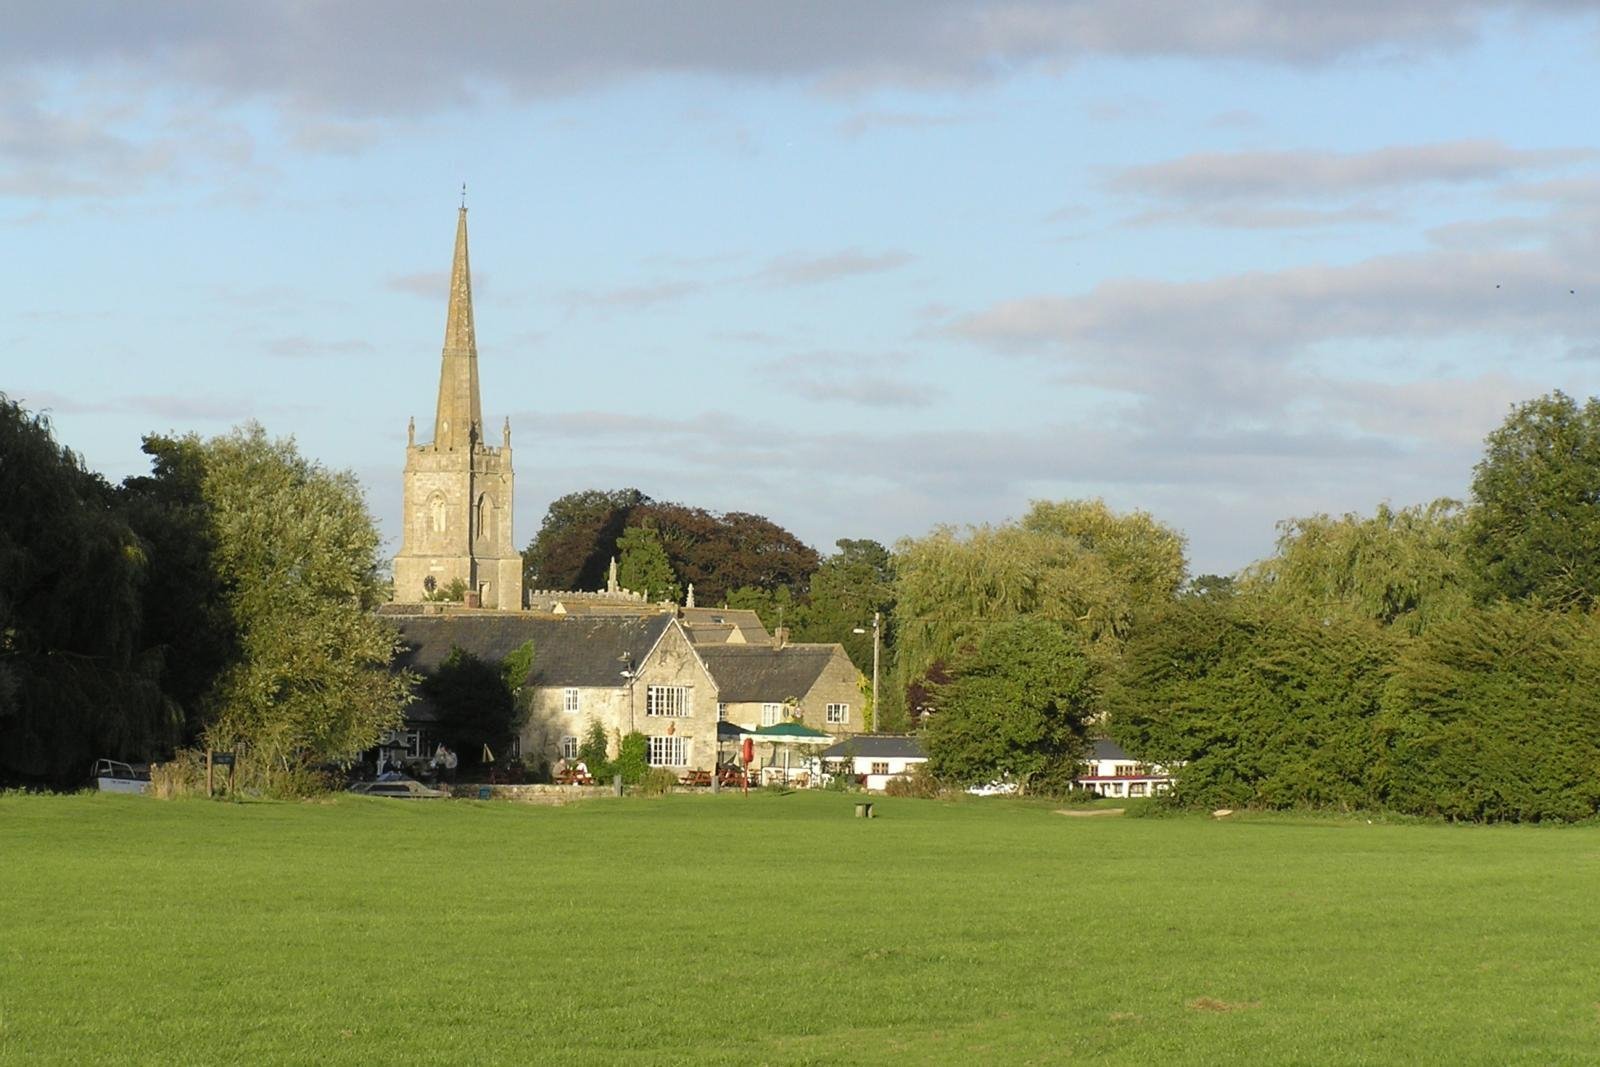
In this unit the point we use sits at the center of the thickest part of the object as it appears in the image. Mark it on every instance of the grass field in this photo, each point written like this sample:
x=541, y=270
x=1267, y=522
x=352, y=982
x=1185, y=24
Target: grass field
x=779, y=929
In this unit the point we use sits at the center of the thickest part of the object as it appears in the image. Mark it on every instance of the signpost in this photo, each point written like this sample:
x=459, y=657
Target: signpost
x=218, y=759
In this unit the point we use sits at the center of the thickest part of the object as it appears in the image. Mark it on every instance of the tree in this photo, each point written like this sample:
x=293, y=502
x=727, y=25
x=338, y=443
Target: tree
x=476, y=701
x=1402, y=568
x=577, y=539
x=846, y=590
x=1492, y=716
x=1255, y=705
x=1018, y=708
x=1534, y=530
x=76, y=680
x=1076, y=563
x=643, y=566
x=296, y=552
x=185, y=618
x=720, y=553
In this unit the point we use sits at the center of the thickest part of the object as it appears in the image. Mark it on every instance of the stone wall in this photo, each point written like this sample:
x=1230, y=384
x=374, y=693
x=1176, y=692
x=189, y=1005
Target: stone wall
x=552, y=795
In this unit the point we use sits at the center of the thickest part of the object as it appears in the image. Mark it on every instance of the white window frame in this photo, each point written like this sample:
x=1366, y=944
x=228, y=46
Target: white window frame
x=771, y=714
x=666, y=701
x=569, y=747
x=570, y=701
x=722, y=711
x=668, y=750
x=839, y=714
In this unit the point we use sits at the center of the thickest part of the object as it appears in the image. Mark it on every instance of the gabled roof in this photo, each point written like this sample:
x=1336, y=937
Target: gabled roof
x=750, y=673
x=1104, y=749
x=586, y=651
x=721, y=625
x=877, y=746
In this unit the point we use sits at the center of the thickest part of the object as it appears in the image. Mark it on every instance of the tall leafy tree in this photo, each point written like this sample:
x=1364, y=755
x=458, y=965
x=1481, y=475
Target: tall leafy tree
x=643, y=565
x=1535, y=525
x=577, y=539
x=720, y=553
x=1018, y=707
x=1401, y=567
x=297, y=554
x=477, y=701
x=846, y=590
x=1491, y=716
x=1255, y=705
x=185, y=618
x=1076, y=563
x=76, y=680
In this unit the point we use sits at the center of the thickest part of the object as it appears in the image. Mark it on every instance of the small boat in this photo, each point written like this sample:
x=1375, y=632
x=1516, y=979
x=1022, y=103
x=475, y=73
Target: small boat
x=114, y=776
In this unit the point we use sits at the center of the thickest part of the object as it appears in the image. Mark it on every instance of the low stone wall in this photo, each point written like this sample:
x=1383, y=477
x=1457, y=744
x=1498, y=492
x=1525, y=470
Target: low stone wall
x=532, y=794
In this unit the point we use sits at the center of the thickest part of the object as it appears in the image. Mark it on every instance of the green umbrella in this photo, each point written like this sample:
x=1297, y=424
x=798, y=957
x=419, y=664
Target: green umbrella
x=789, y=733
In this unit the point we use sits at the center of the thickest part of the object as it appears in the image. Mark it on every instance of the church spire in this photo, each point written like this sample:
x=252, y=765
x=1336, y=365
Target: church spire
x=459, y=420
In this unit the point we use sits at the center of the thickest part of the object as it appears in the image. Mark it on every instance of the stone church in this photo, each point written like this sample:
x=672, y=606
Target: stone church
x=688, y=678
x=458, y=487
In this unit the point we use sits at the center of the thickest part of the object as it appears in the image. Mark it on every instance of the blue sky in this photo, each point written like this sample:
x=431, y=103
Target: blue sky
x=863, y=268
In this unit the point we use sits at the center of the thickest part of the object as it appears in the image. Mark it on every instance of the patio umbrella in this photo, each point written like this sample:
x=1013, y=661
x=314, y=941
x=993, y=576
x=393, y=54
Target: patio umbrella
x=788, y=734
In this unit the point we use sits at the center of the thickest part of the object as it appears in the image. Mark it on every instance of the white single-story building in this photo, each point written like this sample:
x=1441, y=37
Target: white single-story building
x=1111, y=772
x=874, y=758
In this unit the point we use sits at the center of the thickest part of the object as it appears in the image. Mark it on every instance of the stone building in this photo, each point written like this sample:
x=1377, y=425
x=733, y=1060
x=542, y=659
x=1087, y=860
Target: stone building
x=456, y=524
x=632, y=672
x=763, y=685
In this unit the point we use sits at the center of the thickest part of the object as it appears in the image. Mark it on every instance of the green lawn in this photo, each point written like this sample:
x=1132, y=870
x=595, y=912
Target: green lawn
x=779, y=929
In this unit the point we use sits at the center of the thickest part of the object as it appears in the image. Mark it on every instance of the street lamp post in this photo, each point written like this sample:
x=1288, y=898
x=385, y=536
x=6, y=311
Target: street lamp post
x=876, y=649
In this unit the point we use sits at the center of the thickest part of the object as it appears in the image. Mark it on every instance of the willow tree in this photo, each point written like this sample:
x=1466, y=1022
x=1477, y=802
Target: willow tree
x=1404, y=568
x=297, y=554
x=76, y=679
x=1077, y=563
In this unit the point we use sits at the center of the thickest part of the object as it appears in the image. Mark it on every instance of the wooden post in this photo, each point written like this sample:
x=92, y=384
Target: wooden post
x=208, y=772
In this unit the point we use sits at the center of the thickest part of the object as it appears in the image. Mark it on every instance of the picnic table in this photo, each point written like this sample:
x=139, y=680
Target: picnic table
x=731, y=777
x=574, y=778
x=697, y=778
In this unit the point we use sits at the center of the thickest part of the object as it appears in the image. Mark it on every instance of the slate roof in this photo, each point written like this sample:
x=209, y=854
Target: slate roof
x=748, y=673
x=1104, y=749
x=716, y=625
x=583, y=651
x=877, y=746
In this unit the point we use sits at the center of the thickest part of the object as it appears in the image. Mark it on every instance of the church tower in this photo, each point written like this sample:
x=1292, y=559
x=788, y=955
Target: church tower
x=458, y=488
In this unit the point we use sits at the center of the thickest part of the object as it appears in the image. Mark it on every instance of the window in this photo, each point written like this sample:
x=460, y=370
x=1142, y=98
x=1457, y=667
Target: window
x=569, y=747
x=722, y=712
x=880, y=766
x=771, y=714
x=668, y=751
x=668, y=701
x=516, y=746
x=569, y=701
x=838, y=712
x=413, y=743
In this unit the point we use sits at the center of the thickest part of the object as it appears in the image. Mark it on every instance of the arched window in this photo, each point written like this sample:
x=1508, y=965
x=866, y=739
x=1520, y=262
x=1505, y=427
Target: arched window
x=485, y=515
x=436, y=512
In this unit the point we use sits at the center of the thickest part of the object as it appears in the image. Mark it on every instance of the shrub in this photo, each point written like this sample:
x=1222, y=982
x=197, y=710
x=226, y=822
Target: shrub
x=657, y=782
x=919, y=783
x=633, y=758
x=592, y=753
x=185, y=776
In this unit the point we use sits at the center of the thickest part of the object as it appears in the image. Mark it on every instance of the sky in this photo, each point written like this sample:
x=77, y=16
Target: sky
x=862, y=267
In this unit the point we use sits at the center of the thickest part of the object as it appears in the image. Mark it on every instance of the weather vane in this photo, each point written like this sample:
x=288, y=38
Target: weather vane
x=463, y=196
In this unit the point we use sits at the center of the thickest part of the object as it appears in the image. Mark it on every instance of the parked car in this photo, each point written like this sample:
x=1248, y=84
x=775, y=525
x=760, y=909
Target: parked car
x=114, y=776
x=404, y=788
